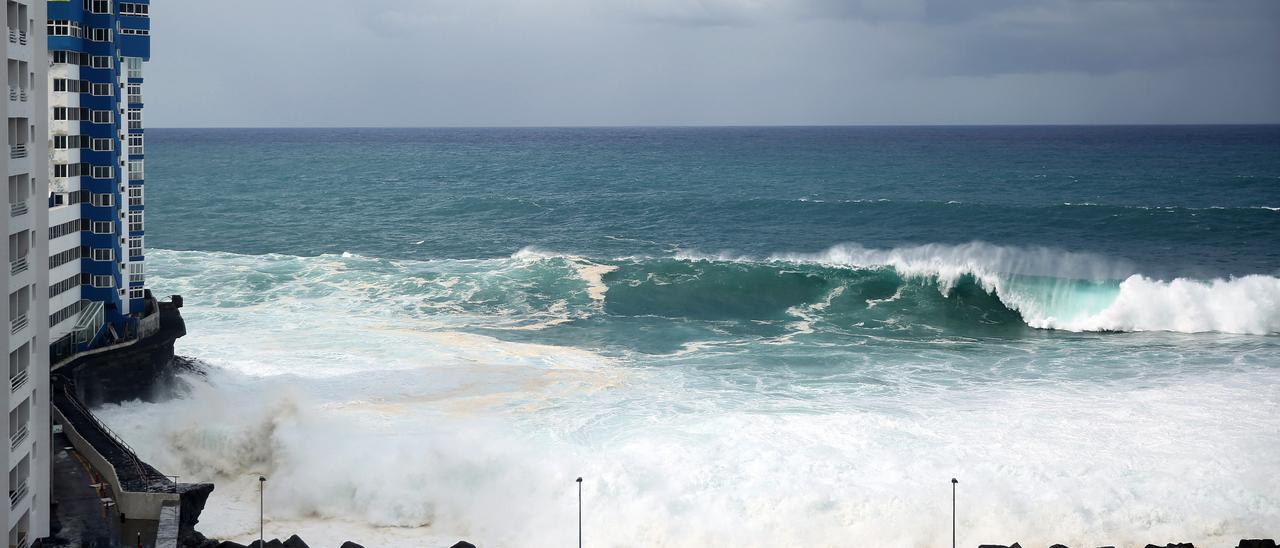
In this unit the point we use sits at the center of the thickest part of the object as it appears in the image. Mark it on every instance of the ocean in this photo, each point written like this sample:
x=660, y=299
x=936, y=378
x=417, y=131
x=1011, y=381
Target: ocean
x=735, y=336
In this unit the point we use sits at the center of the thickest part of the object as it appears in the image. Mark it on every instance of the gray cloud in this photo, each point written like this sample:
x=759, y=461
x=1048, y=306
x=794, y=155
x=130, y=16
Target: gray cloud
x=617, y=62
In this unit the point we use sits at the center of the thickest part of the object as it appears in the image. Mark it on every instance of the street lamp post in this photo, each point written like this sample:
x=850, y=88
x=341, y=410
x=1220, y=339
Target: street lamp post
x=953, y=512
x=579, y=480
x=261, y=506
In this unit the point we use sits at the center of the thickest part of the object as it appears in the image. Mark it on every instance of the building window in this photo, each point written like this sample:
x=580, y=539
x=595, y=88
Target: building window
x=103, y=282
x=64, y=257
x=71, y=113
x=103, y=145
x=135, y=118
x=135, y=196
x=68, y=312
x=135, y=93
x=69, y=227
x=100, y=35
x=134, y=64
x=135, y=145
x=135, y=32
x=131, y=8
x=137, y=272
x=135, y=247
x=97, y=6
x=103, y=254
x=71, y=86
x=103, y=117
x=135, y=221
x=62, y=27
x=64, y=285
x=103, y=200
x=103, y=227
x=103, y=172
x=136, y=292
x=101, y=61
x=102, y=90
x=136, y=170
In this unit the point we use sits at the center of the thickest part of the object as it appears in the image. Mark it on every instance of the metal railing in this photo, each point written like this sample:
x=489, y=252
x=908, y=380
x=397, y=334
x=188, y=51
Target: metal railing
x=13, y=34
x=18, y=209
x=18, y=323
x=16, y=495
x=18, y=266
x=16, y=381
x=22, y=95
x=127, y=452
x=16, y=438
x=21, y=542
x=17, y=151
x=13, y=93
x=22, y=37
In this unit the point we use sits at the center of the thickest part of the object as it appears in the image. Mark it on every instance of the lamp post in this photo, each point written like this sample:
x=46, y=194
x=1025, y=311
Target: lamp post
x=579, y=480
x=953, y=512
x=261, y=506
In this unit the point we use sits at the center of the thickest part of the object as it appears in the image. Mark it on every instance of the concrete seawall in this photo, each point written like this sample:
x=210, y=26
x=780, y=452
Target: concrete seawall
x=139, y=369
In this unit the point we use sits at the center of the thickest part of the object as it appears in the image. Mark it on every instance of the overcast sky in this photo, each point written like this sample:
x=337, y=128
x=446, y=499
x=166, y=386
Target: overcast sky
x=711, y=62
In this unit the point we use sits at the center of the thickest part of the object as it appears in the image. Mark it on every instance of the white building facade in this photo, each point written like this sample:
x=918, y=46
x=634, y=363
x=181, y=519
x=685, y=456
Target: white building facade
x=26, y=278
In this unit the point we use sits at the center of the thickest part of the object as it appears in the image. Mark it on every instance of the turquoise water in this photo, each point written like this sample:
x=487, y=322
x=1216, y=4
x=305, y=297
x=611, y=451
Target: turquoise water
x=740, y=336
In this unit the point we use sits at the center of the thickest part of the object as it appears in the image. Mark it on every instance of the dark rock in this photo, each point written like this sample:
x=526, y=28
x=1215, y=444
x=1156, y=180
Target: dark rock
x=1014, y=545
x=1257, y=543
x=349, y=544
x=229, y=544
x=192, y=498
x=273, y=543
x=295, y=542
x=464, y=544
x=1057, y=546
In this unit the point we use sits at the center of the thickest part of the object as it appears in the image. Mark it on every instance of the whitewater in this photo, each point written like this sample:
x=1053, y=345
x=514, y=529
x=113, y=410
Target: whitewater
x=735, y=336
x=402, y=403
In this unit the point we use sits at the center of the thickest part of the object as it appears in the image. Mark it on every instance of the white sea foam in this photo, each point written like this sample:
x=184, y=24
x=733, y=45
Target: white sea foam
x=1061, y=290
x=380, y=422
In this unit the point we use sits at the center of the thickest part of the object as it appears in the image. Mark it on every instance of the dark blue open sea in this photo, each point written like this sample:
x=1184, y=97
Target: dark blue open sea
x=736, y=336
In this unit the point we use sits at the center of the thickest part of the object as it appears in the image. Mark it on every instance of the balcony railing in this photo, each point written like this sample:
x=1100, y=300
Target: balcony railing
x=13, y=93
x=18, y=380
x=19, y=209
x=17, y=151
x=17, y=494
x=18, y=266
x=21, y=542
x=18, y=323
x=13, y=34
x=22, y=95
x=22, y=37
x=16, y=438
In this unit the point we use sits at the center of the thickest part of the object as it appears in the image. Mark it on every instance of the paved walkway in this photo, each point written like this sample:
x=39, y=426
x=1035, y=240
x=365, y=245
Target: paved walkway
x=81, y=518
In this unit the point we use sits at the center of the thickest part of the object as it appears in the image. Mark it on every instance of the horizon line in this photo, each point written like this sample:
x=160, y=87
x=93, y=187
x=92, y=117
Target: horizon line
x=748, y=126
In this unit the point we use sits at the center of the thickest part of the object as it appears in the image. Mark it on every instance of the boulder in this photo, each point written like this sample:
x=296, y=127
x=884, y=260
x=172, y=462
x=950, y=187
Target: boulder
x=349, y=544
x=229, y=544
x=463, y=544
x=1057, y=546
x=1257, y=543
x=1014, y=545
x=295, y=542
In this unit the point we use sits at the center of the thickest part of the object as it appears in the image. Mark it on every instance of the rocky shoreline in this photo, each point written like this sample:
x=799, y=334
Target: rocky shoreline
x=293, y=541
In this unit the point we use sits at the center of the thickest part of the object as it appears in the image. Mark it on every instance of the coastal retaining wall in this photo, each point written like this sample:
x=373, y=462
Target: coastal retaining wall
x=141, y=369
x=142, y=505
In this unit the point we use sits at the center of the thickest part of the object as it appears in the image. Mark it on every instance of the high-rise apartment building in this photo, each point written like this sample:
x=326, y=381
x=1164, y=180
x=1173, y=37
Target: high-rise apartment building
x=26, y=279
x=96, y=49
